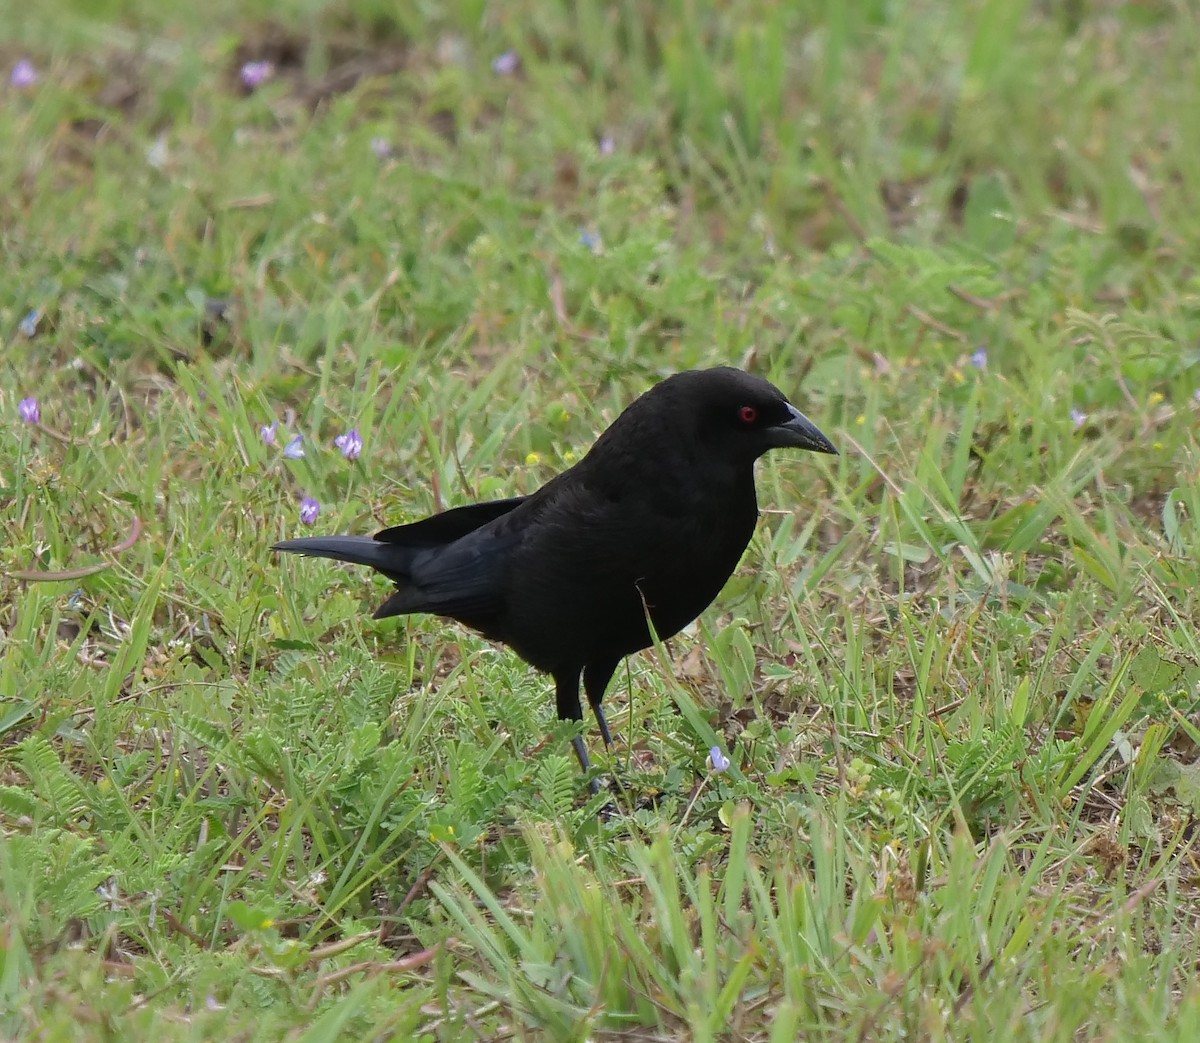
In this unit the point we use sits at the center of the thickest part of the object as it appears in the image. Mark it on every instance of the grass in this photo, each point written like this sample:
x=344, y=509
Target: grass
x=956, y=674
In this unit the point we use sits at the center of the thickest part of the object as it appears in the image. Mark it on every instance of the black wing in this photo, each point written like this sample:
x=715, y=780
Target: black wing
x=439, y=529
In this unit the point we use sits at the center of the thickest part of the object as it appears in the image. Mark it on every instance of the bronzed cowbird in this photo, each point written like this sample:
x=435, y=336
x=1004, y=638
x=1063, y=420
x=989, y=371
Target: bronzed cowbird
x=651, y=522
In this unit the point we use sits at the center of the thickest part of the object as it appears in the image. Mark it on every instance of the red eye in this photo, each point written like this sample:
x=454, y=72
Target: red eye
x=747, y=415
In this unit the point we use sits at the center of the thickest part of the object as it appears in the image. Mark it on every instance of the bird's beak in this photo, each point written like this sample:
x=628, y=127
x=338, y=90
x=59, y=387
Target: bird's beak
x=799, y=433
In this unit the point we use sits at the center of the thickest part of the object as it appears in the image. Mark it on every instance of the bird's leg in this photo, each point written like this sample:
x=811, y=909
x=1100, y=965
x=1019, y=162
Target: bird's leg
x=566, y=694
x=595, y=680
x=585, y=762
x=601, y=720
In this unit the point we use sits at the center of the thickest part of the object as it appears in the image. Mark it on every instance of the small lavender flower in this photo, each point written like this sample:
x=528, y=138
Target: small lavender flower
x=24, y=75
x=294, y=450
x=1078, y=417
x=309, y=509
x=255, y=74
x=506, y=63
x=30, y=411
x=717, y=760
x=608, y=145
x=159, y=152
x=350, y=443
x=28, y=325
x=591, y=240
x=267, y=433
x=382, y=148
x=979, y=359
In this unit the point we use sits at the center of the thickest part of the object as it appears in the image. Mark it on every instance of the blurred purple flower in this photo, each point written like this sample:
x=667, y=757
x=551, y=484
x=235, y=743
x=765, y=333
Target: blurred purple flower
x=608, y=145
x=24, y=75
x=591, y=240
x=1196, y=395
x=382, y=147
x=255, y=74
x=28, y=325
x=350, y=443
x=309, y=509
x=979, y=359
x=1078, y=417
x=30, y=411
x=506, y=63
x=294, y=450
x=267, y=432
x=159, y=152
x=717, y=760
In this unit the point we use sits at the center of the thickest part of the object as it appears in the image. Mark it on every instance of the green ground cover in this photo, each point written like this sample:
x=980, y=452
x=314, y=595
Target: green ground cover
x=956, y=673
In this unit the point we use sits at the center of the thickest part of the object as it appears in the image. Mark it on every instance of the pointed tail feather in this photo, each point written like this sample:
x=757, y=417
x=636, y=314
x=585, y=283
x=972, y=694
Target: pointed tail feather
x=391, y=559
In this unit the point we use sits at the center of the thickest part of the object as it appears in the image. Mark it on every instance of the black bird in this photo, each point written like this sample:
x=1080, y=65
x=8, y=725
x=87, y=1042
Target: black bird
x=651, y=521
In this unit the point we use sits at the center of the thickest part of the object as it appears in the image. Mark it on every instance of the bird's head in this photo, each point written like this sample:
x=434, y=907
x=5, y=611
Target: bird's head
x=740, y=415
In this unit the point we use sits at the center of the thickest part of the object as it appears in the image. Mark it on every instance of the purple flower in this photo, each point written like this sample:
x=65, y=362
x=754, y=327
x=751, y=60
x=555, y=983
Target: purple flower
x=309, y=509
x=591, y=240
x=28, y=325
x=1078, y=417
x=159, y=152
x=979, y=359
x=30, y=411
x=24, y=75
x=717, y=760
x=382, y=147
x=350, y=443
x=294, y=450
x=255, y=74
x=267, y=432
x=506, y=63
x=608, y=145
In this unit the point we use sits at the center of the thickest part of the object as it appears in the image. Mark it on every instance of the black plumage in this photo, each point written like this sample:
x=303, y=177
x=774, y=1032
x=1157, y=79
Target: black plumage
x=652, y=520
